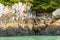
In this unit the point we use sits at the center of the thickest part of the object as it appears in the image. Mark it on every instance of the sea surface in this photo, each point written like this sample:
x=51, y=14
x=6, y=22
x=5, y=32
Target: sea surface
x=31, y=38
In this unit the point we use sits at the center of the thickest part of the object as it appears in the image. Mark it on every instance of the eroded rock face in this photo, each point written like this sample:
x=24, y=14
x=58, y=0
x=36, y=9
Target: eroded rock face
x=18, y=20
x=15, y=13
x=1, y=9
x=18, y=10
x=21, y=10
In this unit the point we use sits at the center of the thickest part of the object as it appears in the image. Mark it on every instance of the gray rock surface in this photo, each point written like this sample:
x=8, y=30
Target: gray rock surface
x=56, y=13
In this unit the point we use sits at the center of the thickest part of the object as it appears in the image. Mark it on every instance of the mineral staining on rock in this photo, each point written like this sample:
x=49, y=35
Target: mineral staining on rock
x=15, y=13
x=20, y=13
x=19, y=20
x=56, y=23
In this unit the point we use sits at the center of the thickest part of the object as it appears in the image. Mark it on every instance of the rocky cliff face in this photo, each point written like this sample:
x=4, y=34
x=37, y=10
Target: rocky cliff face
x=17, y=20
x=15, y=13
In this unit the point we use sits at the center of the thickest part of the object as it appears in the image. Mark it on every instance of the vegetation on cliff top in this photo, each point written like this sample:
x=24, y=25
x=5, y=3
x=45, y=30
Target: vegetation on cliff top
x=36, y=4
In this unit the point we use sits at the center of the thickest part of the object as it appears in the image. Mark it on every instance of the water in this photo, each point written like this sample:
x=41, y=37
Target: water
x=31, y=38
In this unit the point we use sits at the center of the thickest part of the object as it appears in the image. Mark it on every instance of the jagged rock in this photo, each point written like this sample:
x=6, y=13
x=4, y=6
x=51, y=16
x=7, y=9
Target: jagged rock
x=18, y=9
x=1, y=9
x=18, y=20
x=21, y=10
x=14, y=13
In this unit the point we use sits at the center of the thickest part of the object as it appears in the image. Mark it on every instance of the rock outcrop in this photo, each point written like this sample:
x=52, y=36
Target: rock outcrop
x=17, y=20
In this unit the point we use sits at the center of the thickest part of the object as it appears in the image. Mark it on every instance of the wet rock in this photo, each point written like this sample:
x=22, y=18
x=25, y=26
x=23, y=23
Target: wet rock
x=10, y=32
x=27, y=32
x=19, y=31
x=2, y=33
x=51, y=31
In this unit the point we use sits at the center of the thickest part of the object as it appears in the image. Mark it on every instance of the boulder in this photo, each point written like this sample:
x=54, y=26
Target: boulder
x=56, y=13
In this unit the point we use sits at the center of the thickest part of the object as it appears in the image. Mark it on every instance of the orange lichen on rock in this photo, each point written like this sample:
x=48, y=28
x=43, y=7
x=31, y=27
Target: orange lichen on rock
x=8, y=15
x=27, y=25
x=40, y=25
x=56, y=24
x=2, y=25
x=9, y=25
x=13, y=25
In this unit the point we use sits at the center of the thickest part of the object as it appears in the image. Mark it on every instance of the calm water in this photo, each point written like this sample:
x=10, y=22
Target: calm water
x=31, y=38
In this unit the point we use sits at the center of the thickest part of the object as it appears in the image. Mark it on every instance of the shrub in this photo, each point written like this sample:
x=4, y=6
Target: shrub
x=36, y=4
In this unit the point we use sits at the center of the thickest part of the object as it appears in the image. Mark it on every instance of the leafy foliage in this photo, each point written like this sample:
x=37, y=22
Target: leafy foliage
x=8, y=2
x=46, y=4
x=36, y=4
